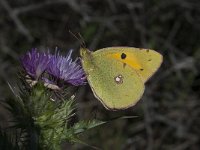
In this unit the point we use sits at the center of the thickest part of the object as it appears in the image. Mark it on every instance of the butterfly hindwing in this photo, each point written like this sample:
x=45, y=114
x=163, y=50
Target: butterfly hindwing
x=116, y=86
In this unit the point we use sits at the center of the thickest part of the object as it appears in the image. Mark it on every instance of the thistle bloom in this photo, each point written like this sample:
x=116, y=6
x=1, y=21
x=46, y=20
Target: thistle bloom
x=59, y=67
x=62, y=67
x=35, y=63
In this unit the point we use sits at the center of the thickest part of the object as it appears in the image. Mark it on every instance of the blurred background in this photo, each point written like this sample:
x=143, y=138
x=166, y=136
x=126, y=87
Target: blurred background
x=168, y=113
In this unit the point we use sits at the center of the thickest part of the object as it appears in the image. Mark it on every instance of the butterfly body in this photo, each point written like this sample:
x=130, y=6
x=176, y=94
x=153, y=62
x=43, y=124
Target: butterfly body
x=117, y=74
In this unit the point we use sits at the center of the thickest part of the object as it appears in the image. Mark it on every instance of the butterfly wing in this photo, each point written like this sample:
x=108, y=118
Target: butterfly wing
x=144, y=61
x=115, y=85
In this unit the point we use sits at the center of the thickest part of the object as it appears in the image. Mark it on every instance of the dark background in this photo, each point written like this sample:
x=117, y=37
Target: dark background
x=169, y=112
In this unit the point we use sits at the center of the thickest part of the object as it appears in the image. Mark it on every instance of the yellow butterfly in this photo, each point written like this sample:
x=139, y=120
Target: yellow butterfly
x=117, y=74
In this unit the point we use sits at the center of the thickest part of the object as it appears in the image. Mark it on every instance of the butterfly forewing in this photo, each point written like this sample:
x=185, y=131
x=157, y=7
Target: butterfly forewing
x=144, y=61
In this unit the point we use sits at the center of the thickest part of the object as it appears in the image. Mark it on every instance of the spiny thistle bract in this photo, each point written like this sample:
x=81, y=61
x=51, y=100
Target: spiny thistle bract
x=41, y=110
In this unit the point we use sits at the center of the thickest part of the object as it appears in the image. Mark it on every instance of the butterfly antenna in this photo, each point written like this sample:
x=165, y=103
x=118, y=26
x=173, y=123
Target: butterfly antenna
x=83, y=45
x=79, y=38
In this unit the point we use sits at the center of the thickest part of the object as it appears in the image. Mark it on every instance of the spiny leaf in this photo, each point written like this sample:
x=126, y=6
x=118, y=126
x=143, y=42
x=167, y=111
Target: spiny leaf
x=82, y=126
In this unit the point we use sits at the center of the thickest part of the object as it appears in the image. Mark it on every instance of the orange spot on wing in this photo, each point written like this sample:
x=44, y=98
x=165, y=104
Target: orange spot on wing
x=130, y=60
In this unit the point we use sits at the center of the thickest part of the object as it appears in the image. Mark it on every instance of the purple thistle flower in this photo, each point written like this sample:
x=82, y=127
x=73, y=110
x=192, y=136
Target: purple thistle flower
x=35, y=63
x=62, y=67
x=59, y=67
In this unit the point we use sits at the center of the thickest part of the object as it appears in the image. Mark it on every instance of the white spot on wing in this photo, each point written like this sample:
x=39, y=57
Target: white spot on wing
x=118, y=79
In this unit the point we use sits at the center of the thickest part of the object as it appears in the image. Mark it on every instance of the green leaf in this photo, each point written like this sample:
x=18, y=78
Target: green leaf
x=82, y=126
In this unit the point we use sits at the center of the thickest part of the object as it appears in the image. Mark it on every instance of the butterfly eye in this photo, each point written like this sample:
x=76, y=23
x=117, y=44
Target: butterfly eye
x=123, y=56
